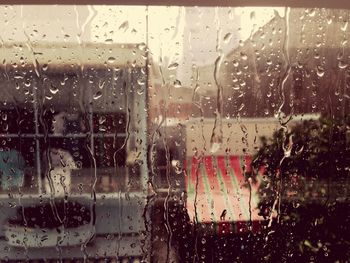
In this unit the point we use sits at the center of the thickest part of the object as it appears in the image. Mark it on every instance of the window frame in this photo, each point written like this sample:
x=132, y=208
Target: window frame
x=203, y=3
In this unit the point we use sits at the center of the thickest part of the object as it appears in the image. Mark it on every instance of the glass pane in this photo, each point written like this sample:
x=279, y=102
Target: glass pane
x=174, y=134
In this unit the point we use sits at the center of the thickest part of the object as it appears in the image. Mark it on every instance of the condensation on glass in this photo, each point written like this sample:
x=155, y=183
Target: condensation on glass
x=174, y=134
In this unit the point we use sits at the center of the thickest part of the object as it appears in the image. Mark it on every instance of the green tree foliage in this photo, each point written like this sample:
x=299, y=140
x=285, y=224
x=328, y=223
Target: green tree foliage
x=313, y=153
x=311, y=149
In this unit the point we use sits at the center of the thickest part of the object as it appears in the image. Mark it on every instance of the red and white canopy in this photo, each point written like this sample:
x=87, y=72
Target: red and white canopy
x=218, y=192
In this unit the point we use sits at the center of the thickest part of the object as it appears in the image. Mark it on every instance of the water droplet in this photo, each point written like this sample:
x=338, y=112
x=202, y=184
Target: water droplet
x=329, y=20
x=27, y=83
x=215, y=146
x=344, y=26
x=312, y=12
x=44, y=238
x=102, y=119
x=5, y=127
x=177, y=84
x=53, y=89
x=244, y=56
x=320, y=71
x=342, y=64
x=124, y=26
x=140, y=91
x=17, y=76
x=97, y=95
x=252, y=15
x=142, y=46
x=227, y=37
x=173, y=66
x=102, y=129
x=141, y=81
x=111, y=60
x=101, y=84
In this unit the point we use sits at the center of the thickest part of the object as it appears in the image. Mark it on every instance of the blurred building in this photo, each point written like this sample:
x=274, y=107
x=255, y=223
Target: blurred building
x=294, y=64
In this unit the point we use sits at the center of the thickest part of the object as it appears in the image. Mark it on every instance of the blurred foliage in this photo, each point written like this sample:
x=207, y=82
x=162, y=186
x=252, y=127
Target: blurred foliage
x=311, y=232
x=312, y=148
x=315, y=151
x=306, y=177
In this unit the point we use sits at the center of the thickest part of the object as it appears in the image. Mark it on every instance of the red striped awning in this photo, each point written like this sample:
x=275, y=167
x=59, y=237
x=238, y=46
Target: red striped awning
x=217, y=191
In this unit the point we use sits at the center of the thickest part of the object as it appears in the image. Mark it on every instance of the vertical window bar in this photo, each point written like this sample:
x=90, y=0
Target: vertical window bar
x=37, y=141
x=91, y=120
x=128, y=87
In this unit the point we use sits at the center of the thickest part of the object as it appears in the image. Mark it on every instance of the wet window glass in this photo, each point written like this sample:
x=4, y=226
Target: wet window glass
x=174, y=134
